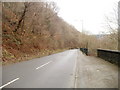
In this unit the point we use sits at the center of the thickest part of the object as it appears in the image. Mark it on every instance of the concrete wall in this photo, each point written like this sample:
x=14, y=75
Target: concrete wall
x=109, y=55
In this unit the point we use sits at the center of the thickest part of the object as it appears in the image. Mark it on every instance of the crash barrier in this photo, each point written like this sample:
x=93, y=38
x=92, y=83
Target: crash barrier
x=84, y=50
x=109, y=55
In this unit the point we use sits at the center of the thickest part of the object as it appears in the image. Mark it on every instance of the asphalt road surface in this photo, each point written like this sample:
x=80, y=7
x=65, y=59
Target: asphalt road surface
x=68, y=69
x=54, y=71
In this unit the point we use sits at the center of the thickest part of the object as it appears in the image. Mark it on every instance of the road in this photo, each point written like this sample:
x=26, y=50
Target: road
x=54, y=71
x=68, y=69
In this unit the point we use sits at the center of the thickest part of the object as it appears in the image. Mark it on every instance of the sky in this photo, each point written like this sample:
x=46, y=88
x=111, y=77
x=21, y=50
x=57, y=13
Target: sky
x=90, y=13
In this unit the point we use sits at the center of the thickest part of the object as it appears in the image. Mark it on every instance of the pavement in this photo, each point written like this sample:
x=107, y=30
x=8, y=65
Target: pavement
x=94, y=72
x=68, y=69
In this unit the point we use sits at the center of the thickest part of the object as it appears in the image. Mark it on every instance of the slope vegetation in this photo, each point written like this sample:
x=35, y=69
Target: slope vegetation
x=32, y=30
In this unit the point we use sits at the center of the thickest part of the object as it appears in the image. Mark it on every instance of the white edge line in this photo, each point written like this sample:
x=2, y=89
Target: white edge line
x=43, y=65
x=9, y=83
x=75, y=74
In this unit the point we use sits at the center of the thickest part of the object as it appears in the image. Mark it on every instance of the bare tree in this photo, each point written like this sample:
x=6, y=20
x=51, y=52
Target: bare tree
x=110, y=41
x=26, y=4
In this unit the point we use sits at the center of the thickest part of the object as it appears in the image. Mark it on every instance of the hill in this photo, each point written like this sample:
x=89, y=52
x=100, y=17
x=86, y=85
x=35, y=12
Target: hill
x=33, y=29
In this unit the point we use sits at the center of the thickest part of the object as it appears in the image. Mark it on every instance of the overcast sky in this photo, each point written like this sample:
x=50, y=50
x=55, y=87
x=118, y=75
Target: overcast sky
x=92, y=12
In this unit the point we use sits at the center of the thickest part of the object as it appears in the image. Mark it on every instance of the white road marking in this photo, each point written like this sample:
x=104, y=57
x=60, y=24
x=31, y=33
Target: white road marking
x=9, y=83
x=43, y=65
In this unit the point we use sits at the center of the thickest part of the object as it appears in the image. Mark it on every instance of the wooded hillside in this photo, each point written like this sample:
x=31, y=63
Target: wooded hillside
x=34, y=29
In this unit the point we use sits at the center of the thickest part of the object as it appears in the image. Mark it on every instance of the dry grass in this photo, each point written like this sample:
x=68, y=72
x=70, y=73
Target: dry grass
x=29, y=57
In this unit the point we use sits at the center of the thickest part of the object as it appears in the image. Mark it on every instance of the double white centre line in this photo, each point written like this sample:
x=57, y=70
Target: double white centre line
x=43, y=65
x=9, y=83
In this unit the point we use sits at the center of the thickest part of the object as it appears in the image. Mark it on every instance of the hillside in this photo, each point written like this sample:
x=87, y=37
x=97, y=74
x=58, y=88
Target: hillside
x=32, y=30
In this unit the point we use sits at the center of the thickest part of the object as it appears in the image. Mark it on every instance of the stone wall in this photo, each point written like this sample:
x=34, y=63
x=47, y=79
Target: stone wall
x=109, y=55
x=84, y=50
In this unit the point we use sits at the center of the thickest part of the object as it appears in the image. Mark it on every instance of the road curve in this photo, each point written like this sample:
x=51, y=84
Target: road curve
x=53, y=71
x=68, y=69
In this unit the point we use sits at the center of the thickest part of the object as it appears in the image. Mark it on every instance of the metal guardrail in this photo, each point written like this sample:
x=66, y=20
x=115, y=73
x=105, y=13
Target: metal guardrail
x=109, y=55
x=84, y=50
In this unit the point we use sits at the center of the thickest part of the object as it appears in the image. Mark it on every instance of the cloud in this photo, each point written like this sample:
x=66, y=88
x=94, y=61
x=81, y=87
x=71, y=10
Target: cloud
x=92, y=12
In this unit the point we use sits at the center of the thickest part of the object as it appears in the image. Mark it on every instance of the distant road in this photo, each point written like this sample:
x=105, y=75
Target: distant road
x=68, y=69
x=54, y=71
